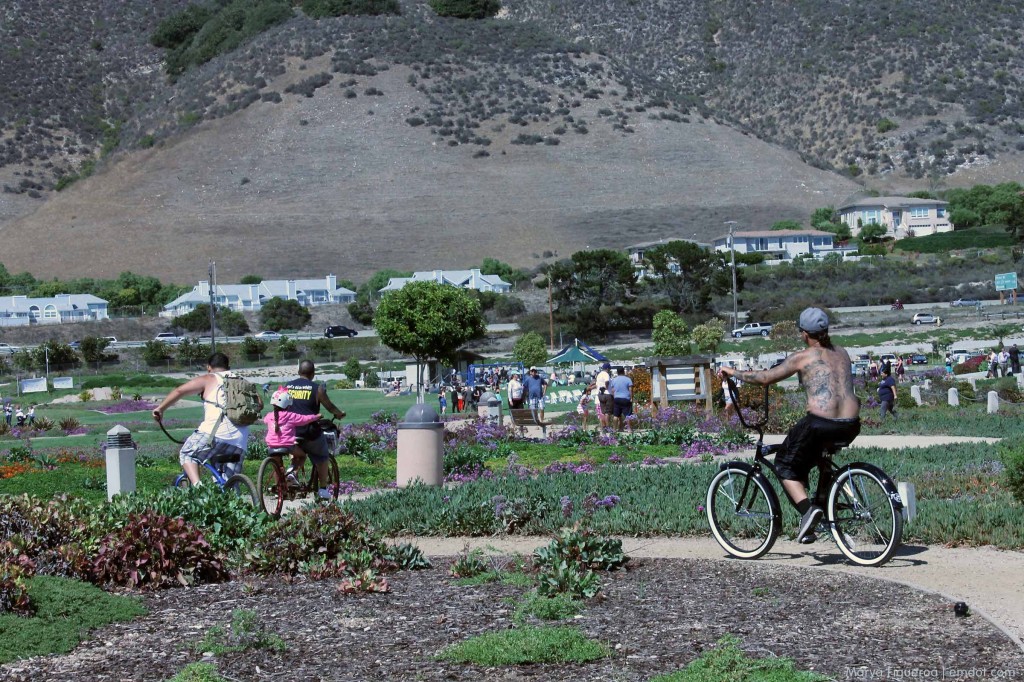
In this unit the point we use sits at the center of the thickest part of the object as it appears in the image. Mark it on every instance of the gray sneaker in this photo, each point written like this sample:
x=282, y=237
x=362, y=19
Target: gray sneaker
x=809, y=522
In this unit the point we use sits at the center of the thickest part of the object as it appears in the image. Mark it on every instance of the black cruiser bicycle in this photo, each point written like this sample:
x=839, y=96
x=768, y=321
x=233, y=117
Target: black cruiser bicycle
x=863, y=508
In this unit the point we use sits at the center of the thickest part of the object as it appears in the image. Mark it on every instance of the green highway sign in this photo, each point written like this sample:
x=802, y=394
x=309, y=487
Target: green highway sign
x=1006, y=282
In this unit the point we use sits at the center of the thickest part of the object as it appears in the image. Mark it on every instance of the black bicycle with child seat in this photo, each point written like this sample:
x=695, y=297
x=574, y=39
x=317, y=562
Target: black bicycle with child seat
x=276, y=484
x=863, y=508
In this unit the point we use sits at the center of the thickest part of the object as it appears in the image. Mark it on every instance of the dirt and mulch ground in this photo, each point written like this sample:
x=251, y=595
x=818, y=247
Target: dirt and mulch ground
x=656, y=617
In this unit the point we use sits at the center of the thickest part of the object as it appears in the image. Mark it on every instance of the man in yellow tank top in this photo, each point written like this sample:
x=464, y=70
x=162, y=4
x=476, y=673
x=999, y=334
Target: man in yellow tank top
x=204, y=443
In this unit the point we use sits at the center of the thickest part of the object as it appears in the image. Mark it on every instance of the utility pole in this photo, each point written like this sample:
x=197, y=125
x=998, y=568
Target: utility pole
x=213, y=315
x=551, y=318
x=732, y=251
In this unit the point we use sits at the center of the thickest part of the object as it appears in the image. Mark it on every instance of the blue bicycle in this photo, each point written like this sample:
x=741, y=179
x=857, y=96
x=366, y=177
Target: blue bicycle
x=236, y=484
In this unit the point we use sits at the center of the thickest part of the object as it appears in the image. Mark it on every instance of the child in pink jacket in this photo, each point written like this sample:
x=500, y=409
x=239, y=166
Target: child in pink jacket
x=281, y=426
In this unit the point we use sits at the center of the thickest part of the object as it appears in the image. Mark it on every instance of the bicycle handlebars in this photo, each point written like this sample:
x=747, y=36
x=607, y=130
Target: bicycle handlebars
x=734, y=395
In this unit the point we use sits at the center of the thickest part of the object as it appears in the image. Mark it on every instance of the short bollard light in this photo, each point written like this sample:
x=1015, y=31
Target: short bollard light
x=120, y=453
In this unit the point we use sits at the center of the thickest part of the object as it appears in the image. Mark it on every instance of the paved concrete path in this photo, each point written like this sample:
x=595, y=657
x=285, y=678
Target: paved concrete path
x=991, y=581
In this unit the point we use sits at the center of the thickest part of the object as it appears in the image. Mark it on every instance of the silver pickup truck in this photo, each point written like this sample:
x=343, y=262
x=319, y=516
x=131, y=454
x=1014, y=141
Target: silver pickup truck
x=753, y=329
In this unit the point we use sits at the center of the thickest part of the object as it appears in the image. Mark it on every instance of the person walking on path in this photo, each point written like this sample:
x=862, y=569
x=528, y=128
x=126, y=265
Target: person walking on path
x=622, y=393
x=215, y=435
x=515, y=392
x=993, y=365
x=901, y=370
x=1014, y=355
x=535, y=386
x=583, y=408
x=887, y=394
x=601, y=384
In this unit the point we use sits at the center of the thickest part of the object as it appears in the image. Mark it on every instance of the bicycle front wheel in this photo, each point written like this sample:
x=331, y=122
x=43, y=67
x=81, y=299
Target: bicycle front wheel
x=744, y=513
x=272, y=486
x=242, y=485
x=867, y=523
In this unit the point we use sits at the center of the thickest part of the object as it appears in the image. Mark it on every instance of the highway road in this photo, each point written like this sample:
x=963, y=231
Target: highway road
x=297, y=336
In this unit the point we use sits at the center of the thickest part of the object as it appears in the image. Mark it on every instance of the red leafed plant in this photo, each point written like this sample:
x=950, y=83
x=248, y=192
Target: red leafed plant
x=153, y=551
x=367, y=581
x=13, y=591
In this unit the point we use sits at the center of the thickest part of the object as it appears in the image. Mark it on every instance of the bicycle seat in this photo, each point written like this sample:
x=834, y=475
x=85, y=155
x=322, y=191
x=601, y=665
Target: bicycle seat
x=276, y=452
x=226, y=458
x=835, y=446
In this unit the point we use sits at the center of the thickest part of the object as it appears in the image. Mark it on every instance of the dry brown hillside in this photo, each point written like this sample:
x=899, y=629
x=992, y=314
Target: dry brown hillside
x=318, y=184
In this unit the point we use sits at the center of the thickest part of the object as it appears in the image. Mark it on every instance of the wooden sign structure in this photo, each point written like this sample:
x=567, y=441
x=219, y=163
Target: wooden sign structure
x=685, y=377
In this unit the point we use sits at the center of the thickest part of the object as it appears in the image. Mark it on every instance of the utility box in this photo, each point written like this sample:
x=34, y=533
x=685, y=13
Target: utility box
x=420, y=447
x=120, y=454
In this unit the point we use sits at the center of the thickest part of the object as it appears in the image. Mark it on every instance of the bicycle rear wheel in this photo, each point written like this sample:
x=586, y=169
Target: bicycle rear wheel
x=272, y=486
x=242, y=485
x=867, y=523
x=743, y=511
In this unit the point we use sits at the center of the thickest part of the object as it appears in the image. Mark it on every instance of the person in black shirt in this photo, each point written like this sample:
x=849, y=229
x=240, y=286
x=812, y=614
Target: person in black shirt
x=307, y=397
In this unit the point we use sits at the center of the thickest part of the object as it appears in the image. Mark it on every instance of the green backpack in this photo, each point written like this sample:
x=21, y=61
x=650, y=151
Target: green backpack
x=242, y=404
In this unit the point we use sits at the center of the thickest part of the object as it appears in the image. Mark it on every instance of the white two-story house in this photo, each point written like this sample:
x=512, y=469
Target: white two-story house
x=900, y=216
x=17, y=311
x=463, y=279
x=780, y=244
x=250, y=297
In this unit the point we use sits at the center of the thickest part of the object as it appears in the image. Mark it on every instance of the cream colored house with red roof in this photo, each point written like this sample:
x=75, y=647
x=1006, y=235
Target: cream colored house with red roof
x=900, y=216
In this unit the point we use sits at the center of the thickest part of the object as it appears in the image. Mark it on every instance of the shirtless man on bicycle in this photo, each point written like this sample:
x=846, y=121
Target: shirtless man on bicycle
x=833, y=411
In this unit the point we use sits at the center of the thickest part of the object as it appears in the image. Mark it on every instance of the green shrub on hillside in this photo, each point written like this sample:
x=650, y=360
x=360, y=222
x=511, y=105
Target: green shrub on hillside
x=977, y=238
x=335, y=8
x=466, y=9
x=198, y=34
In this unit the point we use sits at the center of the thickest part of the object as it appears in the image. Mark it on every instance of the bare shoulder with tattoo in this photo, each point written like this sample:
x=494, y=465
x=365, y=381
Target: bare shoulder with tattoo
x=827, y=379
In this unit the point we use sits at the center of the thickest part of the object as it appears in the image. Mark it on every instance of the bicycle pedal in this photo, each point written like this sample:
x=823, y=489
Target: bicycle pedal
x=808, y=539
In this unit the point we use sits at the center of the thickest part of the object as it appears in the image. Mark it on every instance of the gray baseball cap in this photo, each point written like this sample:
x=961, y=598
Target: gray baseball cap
x=813, y=321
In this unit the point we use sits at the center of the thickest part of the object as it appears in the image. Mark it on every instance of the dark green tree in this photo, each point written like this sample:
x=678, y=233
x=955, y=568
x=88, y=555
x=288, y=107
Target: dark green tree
x=361, y=311
x=872, y=233
x=253, y=348
x=589, y=279
x=352, y=369
x=279, y=313
x=686, y=274
x=250, y=279
x=155, y=353
x=58, y=355
x=530, y=349
x=93, y=349
x=229, y=322
x=670, y=335
x=493, y=266
x=189, y=352
x=428, y=320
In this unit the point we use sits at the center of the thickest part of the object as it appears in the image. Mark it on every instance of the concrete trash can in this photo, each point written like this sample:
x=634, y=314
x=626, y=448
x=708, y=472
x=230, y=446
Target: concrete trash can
x=494, y=410
x=420, y=447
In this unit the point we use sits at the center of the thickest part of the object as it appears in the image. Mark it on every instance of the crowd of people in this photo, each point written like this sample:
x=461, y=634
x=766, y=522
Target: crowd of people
x=14, y=415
